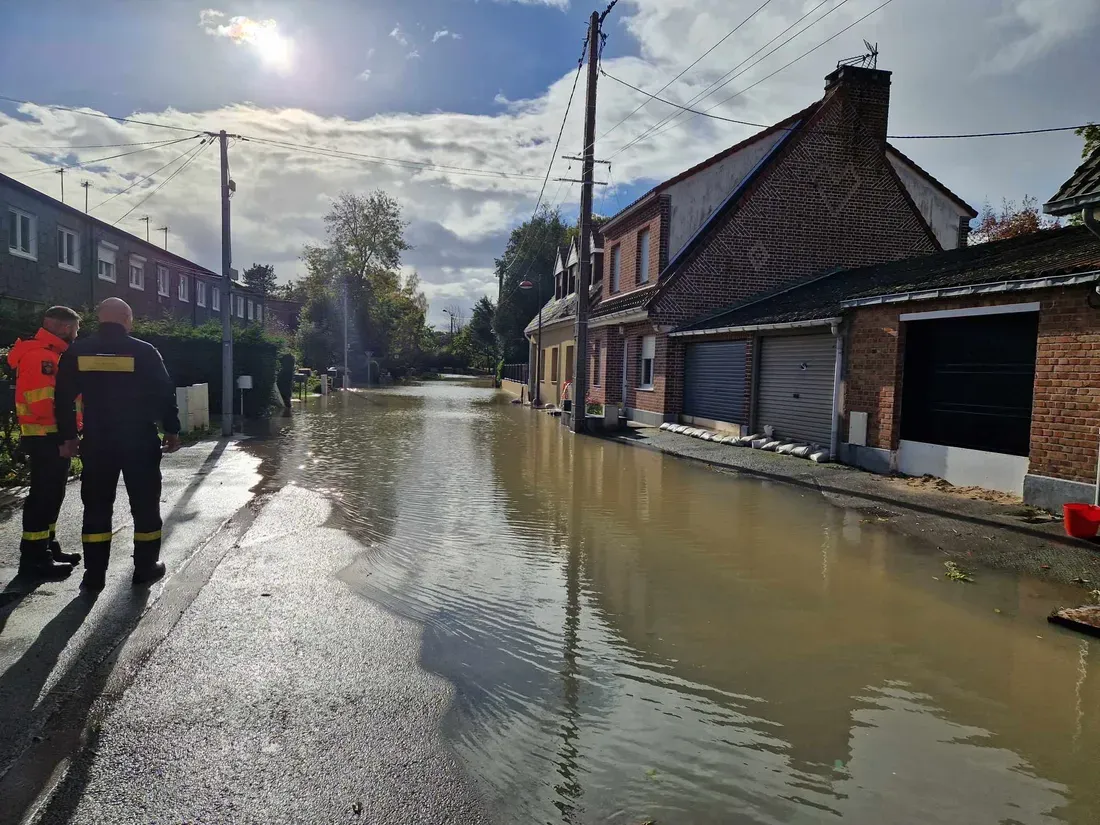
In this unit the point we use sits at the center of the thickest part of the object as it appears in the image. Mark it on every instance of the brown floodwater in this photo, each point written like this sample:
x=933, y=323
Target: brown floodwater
x=633, y=637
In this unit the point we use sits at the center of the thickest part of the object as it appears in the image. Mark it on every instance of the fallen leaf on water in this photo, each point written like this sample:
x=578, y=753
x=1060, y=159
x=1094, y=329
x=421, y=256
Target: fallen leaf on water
x=956, y=573
x=357, y=808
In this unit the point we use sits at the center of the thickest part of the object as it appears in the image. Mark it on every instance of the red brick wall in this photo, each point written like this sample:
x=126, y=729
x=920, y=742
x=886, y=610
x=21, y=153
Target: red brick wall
x=653, y=217
x=1066, y=403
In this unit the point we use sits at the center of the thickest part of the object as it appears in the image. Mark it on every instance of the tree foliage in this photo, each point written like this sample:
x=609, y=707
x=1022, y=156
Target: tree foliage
x=1091, y=135
x=260, y=277
x=361, y=257
x=529, y=255
x=1011, y=221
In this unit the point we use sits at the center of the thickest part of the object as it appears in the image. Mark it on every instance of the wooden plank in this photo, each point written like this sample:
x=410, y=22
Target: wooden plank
x=1084, y=619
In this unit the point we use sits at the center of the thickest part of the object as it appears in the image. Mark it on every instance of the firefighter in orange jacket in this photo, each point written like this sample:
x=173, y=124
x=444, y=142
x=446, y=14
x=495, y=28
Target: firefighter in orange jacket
x=35, y=362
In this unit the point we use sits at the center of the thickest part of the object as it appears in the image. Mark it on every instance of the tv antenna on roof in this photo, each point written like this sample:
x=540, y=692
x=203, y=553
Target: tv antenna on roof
x=867, y=61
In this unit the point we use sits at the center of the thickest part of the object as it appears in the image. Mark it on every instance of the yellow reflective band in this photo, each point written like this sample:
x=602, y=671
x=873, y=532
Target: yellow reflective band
x=105, y=363
x=37, y=429
x=92, y=538
x=53, y=527
x=40, y=394
x=153, y=536
x=41, y=534
x=22, y=409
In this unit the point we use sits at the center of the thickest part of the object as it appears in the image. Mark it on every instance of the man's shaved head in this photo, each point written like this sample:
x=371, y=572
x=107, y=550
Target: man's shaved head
x=116, y=311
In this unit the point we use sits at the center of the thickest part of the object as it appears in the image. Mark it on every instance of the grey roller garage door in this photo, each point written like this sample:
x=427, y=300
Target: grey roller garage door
x=795, y=392
x=714, y=380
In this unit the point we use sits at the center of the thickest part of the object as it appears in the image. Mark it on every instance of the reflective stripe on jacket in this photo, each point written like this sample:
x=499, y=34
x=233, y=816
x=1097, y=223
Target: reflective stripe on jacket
x=35, y=362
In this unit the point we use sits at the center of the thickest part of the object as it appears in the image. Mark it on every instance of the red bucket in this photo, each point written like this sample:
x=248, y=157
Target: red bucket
x=1082, y=520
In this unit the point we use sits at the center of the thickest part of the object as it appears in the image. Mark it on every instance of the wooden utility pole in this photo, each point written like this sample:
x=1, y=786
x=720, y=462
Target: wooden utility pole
x=227, y=291
x=87, y=184
x=580, y=362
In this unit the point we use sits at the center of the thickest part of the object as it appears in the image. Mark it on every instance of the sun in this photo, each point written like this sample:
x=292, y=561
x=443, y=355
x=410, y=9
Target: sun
x=275, y=50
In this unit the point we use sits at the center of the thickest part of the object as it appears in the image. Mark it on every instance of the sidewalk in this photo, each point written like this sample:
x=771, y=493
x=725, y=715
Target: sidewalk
x=969, y=531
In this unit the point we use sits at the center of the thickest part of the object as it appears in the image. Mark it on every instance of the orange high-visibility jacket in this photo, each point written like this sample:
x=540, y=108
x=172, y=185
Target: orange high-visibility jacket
x=35, y=363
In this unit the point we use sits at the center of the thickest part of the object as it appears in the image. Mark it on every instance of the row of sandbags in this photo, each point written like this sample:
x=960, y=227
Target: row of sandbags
x=759, y=441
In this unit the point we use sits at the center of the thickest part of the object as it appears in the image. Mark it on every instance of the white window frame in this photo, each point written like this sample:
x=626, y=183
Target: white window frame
x=648, y=352
x=259, y=312
x=164, y=281
x=15, y=240
x=216, y=297
x=240, y=306
x=200, y=292
x=643, y=256
x=181, y=289
x=113, y=250
x=251, y=309
x=137, y=266
x=616, y=268
x=64, y=232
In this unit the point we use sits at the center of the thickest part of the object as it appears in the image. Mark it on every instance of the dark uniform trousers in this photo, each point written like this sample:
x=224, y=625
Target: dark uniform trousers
x=49, y=476
x=138, y=461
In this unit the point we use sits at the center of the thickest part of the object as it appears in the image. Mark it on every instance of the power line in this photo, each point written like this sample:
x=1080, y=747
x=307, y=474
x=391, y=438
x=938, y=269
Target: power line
x=52, y=167
x=85, y=146
x=59, y=108
x=143, y=178
x=734, y=73
x=194, y=154
x=680, y=106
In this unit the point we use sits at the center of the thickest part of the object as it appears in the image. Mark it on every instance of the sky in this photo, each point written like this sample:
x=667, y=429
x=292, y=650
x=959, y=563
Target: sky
x=483, y=85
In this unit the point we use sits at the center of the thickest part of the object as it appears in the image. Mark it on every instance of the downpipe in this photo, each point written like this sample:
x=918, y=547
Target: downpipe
x=1089, y=216
x=838, y=374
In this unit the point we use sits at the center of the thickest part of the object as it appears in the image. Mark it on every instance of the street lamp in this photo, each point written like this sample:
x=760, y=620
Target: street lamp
x=538, y=345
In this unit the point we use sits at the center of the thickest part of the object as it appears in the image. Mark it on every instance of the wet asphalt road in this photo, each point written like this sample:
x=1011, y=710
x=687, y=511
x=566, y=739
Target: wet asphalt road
x=251, y=686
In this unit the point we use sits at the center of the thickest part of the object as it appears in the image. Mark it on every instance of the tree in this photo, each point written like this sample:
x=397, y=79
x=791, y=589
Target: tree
x=1010, y=222
x=260, y=277
x=483, y=342
x=529, y=255
x=291, y=291
x=1091, y=134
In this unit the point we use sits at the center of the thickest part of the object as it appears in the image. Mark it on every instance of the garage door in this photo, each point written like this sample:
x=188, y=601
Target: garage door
x=969, y=382
x=714, y=381
x=796, y=387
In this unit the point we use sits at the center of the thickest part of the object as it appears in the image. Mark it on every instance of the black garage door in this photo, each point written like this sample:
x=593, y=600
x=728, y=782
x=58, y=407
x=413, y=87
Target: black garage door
x=714, y=380
x=968, y=382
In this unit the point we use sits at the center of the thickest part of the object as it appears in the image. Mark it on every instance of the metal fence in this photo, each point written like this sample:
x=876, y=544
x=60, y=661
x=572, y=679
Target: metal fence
x=516, y=372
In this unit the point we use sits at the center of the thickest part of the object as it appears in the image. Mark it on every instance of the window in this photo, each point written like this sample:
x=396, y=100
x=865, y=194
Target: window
x=183, y=288
x=596, y=364
x=240, y=306
x=572, y=280
x=200, y=292
x=260, y=312
x=22, y=234
x=68, y=249
x=251, y=309
x=542, y=366
x=106, y=258
x=137, y=272
x=164, y=281
x=615, y=269
x=554, y=365
x=216, y=297
x=643, y=256
x=649, y=347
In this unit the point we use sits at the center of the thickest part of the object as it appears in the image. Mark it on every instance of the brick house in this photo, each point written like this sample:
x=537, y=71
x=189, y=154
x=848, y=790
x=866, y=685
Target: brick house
x=552, y=368
x=818, y=191
x=977, y=365
x=51, y=253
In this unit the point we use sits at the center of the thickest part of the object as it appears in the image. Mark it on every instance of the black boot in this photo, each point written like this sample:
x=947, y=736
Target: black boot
x=60, y=555
x=148, y=567
x=36, y=562
x=96, y=556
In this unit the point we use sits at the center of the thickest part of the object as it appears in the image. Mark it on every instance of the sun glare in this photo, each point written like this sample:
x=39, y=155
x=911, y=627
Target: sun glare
x=275, y=50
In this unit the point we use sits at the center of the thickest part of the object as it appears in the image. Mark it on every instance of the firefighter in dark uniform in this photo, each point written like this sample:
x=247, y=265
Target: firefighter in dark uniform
x=35, y=363
x=126, y=392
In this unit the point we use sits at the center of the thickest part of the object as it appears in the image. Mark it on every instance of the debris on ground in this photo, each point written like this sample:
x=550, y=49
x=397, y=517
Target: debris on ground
x=929, y=483
x=956, y=573
x=1084, y=619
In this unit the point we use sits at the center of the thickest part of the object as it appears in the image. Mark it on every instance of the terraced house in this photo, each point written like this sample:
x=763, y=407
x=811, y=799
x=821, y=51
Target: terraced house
x=819, y=191
x=51, y=253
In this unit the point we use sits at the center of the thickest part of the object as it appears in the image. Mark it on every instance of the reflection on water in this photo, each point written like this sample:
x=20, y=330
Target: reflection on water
x=634, y=637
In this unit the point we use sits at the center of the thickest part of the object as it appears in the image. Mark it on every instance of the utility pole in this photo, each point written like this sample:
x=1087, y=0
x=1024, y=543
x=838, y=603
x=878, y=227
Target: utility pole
x=87, y=184
x=164, y=229
x=580, y=362
x=61, y=172
x=145, y=220
x=227, y=293
x=344, y=382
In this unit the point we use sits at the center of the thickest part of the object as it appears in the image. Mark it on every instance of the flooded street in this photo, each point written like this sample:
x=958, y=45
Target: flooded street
x=635, y=637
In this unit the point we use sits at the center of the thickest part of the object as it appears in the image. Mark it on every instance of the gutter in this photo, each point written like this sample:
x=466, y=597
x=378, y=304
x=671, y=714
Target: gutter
x=815, y=322
x=624, y=316
x=975, y=289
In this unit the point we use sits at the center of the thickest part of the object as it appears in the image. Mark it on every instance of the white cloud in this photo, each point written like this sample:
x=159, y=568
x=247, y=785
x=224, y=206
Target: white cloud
x=399, y=36
x=364, y=75
x=413, y=55
x=1029, y=29
x=439, y=35
x=275, y=50
x=459, y=223
x=370, y=54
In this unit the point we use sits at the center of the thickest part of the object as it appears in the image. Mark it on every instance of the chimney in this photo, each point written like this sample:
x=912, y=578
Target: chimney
x=865, y=97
